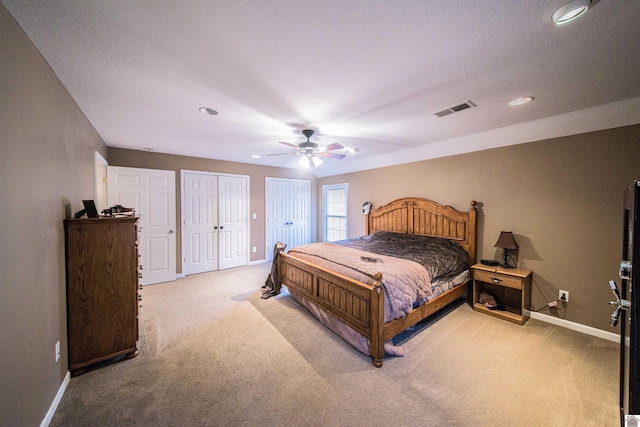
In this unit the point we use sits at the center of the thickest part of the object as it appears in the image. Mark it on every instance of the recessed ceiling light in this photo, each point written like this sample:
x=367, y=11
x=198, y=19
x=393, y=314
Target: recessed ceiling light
x=256, y=156
x=205, y=110
x=520, y=101
x=570, y=11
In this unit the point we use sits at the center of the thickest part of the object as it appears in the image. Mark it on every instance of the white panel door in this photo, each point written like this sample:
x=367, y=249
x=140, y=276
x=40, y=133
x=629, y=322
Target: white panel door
x=199, y=222
x=288, y=213
x=153, y=196
x=233, y=221
x=299, y=219
x=101, y=182
x=277, y=211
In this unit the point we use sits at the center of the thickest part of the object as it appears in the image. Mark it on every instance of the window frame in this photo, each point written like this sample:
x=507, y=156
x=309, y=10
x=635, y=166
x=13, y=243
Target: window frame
x=329, y=187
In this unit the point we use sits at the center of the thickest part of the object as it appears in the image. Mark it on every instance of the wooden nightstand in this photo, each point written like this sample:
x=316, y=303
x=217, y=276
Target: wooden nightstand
x=512, y=286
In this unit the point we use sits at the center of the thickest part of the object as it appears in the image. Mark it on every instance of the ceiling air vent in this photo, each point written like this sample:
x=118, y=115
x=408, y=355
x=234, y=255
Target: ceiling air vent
x=455, y=109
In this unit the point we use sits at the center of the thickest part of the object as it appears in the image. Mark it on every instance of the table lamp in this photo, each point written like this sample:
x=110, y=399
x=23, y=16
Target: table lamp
x=506, y=242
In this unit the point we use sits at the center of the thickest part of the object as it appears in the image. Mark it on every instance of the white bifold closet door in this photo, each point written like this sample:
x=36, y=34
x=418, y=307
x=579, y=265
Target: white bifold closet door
x=199, y=217
x=214, y=221
x=288, y=213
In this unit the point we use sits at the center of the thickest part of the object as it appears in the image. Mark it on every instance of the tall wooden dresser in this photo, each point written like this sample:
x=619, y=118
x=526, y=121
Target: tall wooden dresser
x=102, y=290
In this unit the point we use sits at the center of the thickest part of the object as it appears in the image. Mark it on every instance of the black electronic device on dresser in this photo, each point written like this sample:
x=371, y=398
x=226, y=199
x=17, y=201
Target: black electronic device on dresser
x=627, y=303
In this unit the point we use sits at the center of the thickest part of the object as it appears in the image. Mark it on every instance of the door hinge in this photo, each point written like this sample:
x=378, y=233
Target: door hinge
x=105, y=180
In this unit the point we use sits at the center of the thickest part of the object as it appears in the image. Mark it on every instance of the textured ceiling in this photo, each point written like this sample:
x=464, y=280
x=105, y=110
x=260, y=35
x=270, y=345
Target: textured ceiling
x=365, y=74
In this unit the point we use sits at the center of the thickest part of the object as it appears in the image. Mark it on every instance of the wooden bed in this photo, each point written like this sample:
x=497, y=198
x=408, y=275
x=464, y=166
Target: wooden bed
x=360, y=305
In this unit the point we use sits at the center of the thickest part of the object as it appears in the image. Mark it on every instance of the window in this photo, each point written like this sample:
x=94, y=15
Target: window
x=335, y=211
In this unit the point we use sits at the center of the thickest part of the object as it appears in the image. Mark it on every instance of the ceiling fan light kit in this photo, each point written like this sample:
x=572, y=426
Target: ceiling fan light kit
x=311, y=152
x=305, y=162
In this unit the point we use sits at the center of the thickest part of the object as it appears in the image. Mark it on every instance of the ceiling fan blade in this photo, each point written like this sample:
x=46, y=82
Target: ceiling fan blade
x=331, y=147
x=279, y=154
x=289, y=144
x=332, y=155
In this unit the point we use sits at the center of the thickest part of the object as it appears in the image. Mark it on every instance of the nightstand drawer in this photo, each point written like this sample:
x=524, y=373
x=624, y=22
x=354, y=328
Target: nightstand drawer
x=497, y=278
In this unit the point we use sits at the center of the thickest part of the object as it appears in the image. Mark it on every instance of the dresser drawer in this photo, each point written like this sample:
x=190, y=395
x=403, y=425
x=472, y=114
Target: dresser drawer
x=497, y=278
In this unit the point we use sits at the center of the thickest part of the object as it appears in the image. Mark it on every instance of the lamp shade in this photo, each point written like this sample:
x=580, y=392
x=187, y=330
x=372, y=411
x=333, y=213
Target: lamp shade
x=506, y=241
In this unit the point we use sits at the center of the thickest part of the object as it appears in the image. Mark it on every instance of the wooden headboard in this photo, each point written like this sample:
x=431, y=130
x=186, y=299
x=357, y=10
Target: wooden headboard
x=413, y=215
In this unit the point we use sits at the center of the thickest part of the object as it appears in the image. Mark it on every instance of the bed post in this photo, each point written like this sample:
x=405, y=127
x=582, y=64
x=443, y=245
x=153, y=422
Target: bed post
x=377, y=321
x=473, y=212
x=367, y=224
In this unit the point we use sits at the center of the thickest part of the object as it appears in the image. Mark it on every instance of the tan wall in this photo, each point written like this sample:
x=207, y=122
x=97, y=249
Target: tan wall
x=46, y=161
x=257, y=175
x=562, y=198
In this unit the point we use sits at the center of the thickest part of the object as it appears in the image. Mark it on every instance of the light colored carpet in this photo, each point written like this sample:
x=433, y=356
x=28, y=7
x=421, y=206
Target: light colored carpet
x=212, y=353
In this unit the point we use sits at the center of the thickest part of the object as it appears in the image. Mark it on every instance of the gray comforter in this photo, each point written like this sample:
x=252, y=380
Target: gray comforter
x=441, y=257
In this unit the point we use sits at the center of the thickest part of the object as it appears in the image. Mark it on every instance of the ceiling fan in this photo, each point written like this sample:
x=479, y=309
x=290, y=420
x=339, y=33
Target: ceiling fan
x=310, y=152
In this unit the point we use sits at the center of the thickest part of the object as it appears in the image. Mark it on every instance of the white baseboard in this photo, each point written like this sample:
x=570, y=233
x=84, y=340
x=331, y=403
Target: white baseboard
x=260, y=261
x=56, y=401
x=609, y=336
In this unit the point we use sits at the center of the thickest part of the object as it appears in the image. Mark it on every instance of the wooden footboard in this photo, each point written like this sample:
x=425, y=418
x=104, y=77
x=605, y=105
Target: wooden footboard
x=357, y=304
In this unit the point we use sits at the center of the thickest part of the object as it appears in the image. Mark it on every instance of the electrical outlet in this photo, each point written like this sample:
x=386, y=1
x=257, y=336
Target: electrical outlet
x=57, y=351
x=563, y=295
x=254, y=249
